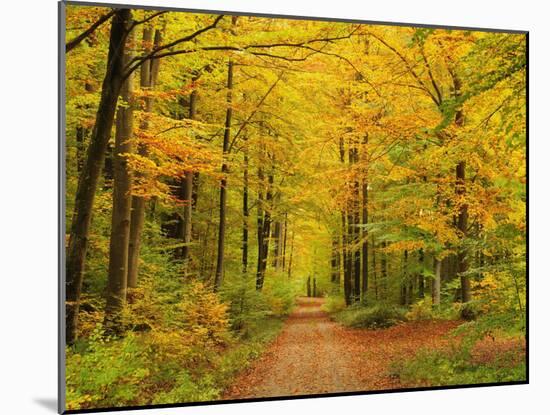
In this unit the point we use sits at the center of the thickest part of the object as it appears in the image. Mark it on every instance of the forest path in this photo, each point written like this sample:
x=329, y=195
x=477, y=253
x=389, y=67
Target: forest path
x=315, y=355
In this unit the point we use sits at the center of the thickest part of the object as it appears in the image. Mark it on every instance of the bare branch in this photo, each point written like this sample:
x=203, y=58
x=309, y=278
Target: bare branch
x=154, y=54
x=76, y=41
x=408, y=66
x=151, y=17
x=271, y=88
x=136, y=62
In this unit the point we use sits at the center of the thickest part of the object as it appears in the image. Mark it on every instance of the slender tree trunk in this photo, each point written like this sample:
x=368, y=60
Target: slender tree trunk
x=346, y=253
x=374, y=274
x=280, y=247
x=122, y=204
x=365, y=243
x=260, y=223
x=223, y=183
x=421, y=282
x=384, y=270
x=357, y=255
x=284, y=240
x=334, y=261
x=91, y=169
x=405, y=282
x=436, y=286
x=148, y=77
x=462, y=220
x=277, y=245
x=245, y=209
x=262, y=262
x=346, y=260
x=348, y=276
x=187, y=194
x=462, y=226
x=195, y=198
x=290, y=256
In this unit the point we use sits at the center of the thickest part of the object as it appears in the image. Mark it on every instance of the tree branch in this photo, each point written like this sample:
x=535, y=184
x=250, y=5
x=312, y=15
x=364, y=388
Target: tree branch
x=138, y=22
x=76, y=41
x=137, y=61
x=271, y=88
x=408, y=66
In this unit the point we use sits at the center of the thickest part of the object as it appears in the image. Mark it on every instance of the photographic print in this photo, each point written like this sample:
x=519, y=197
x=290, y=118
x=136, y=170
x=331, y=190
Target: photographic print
x=258, y=207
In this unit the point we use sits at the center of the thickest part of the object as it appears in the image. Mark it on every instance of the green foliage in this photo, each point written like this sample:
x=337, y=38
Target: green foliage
x=249, y=307
x=437, y=368
x=158, y=367
x=507, y=324
x=207, y=381
x=470, y=311
x=107, y=373
x=373, y=317
x=459, y=364
x=421, y=310
x=334, y=304
x=204, y=316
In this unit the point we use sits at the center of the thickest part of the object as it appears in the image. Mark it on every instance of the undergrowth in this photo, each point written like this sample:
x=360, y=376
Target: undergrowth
x=372, y=317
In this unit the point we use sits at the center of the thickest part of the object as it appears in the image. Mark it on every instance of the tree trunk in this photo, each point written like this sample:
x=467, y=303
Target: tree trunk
x=348, y=271
x=290, y=257
x=436, y=286
x=89, y=176
x=187, y=195
x=374, y=274
x=365, y=221
x=148, y=78
x=405, y=282
x=462, y=221
x=365, y=243
x=354, y=230
x=462, y=226
x=122, y=204
x=260, y=223
x=346, y=254
x=277, y=245
x=421, y=282
x=223, y=182
x=384, y=270
x=335, y=261
x=284, y=241
x=262, y=261
x=245, y=209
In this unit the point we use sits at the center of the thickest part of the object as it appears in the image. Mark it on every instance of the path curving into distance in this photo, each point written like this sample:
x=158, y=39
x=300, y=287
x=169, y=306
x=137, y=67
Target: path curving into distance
x=315, y=355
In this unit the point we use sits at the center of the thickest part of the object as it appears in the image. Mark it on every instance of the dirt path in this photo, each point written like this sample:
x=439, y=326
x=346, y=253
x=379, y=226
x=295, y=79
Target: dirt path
x=315, y=355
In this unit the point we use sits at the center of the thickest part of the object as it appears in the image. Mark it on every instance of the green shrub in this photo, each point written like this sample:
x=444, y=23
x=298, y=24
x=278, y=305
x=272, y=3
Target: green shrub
x=249, y=307
x=188, y=389
x=421, y=310
x=158, y=366
x=437, y=368
x=470, y=311
x=107, y=373
x=334, y=304
x=377, y=316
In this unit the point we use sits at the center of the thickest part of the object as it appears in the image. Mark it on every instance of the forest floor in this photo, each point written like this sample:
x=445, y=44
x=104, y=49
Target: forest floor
x=315, y=355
